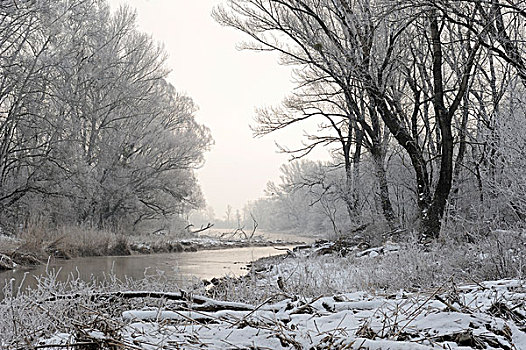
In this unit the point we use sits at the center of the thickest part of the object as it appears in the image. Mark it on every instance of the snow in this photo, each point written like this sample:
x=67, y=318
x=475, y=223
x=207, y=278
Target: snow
x=460, y=317
x=57, y=339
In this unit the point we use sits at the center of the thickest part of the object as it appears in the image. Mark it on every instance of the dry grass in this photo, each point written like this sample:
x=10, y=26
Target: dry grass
x=501, y=254
x=40, y=240
x=26, y=317
x=81, y=241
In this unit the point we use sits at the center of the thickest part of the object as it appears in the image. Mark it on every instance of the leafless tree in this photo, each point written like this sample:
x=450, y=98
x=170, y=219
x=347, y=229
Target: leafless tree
x=331, y=51
x=398, y=55
x=90, y=127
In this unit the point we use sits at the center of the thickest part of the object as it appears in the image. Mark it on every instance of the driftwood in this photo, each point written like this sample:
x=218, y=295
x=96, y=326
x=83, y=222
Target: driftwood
x=241, y=231
x=200, y=303
x=208, y=225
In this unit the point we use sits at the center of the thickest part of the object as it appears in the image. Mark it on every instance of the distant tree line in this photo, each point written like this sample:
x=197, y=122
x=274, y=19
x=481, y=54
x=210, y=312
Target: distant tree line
x=90, y=129
x=420, y=102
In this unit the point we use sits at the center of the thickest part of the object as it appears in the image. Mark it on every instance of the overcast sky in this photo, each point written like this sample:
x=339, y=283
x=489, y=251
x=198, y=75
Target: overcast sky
x=227, y=85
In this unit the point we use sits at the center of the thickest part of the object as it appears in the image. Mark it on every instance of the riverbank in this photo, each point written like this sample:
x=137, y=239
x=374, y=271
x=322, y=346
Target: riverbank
x=340, y=266
x=35, y=248
x=204, y=243
x=331, y=295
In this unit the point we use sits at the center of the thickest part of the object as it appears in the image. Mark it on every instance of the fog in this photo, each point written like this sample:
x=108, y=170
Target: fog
x=227, y=84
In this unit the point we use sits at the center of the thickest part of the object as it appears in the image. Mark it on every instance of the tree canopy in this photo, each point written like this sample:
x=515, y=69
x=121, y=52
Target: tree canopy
x=91, y=129
x=414, y=94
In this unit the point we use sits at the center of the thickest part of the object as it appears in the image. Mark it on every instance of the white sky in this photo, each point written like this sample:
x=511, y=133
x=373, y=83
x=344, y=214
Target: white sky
x=227, y=85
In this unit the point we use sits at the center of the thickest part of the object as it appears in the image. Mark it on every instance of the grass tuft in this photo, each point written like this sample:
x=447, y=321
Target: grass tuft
x=37, y=241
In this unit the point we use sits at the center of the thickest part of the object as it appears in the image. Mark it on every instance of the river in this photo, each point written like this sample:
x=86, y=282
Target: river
x=204, y=264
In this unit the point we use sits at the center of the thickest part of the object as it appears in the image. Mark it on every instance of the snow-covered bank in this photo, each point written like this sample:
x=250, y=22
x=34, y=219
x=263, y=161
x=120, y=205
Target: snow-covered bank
x=329, y=268
x=487, y=315
x=333, y=295
x=203, y=243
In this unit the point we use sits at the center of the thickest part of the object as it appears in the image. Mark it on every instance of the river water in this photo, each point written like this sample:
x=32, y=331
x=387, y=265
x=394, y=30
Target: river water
x=204, y=264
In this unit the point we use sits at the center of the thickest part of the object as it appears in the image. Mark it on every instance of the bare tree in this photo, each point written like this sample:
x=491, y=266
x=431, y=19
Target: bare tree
x=89, y=120
x=316, y=36
x=395, y=54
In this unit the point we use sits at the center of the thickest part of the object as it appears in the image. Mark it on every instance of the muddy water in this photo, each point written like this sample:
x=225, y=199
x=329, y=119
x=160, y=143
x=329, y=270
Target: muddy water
x=205, y=264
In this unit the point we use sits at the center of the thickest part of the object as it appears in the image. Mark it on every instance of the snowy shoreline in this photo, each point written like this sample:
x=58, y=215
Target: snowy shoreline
x=486, y=315
x=328, y=296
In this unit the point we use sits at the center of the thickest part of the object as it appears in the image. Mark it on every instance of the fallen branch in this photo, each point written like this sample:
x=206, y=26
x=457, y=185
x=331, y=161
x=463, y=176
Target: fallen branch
x=209, y=225
x=203, y=303
x=451, y=307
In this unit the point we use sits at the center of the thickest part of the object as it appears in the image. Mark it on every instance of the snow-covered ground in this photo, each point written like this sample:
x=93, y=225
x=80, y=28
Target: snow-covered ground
x=487, y=315
x=329, y=296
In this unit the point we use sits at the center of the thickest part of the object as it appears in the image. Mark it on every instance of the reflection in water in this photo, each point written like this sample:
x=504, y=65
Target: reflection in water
x=204, y=264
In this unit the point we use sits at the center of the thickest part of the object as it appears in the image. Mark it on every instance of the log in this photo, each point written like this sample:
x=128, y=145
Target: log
x=202, y=303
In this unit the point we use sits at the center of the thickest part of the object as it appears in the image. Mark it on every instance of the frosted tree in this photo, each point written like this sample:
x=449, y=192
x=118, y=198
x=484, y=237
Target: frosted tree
x=330, y=51
x=399, y=56
x=91, y=124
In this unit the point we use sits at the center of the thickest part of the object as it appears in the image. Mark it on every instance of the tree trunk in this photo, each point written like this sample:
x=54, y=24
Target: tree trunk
x=383, y=187
x=352, y=170
x=415, y=152
x=431, y=220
